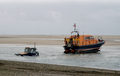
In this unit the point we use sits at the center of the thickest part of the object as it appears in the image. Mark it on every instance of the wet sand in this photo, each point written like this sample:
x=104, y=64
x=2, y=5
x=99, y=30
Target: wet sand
x=14, y=68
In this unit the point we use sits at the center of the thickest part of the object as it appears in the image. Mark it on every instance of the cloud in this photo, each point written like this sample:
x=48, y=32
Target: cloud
x=58, y=18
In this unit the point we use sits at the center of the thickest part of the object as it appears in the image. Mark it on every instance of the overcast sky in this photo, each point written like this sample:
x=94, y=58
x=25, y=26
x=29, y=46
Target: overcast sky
x=56, y=17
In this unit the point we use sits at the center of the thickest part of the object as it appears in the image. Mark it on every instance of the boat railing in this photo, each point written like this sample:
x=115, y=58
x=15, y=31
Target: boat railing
x=100, y=39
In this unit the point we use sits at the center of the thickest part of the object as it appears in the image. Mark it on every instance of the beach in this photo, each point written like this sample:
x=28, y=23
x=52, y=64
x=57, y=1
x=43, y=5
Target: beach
x=12, y=68
x=17, y=68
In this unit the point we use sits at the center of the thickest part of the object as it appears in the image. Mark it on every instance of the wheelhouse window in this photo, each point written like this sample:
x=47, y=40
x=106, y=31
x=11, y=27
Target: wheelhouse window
x=89, y=38
x=27, y=50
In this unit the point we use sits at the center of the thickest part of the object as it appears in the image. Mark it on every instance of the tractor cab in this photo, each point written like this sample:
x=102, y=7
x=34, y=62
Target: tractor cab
x=29, y=52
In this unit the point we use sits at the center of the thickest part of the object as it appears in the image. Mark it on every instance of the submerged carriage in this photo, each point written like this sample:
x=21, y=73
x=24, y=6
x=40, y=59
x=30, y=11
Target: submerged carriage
x=82, y=43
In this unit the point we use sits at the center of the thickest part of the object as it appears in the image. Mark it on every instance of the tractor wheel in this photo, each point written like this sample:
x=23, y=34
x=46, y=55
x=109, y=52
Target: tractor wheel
x=21, y=55
x=37, y=54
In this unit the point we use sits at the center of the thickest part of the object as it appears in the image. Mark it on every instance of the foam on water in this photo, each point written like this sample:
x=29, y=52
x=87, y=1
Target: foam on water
x=108, y=58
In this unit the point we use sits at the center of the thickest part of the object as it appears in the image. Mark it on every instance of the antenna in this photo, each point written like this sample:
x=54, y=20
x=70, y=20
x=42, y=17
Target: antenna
x=34, y=45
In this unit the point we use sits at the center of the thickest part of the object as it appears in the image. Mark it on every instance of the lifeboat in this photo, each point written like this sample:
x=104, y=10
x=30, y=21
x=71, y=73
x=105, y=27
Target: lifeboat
x=82, y=43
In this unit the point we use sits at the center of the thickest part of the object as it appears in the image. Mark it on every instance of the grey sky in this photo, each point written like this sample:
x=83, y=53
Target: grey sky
x=54, y=17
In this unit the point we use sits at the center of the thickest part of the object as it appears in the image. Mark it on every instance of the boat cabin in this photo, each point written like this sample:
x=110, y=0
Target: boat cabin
x=80, y=40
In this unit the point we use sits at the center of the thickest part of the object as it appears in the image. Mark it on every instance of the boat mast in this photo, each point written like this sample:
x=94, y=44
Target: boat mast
x=75, y=30
x=74, y=27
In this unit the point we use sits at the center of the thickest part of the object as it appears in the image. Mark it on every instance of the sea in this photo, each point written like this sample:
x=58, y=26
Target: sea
x=107, y=58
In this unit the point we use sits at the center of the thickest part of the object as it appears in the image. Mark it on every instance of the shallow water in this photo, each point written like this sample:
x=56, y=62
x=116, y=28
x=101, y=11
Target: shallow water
x=107, y=58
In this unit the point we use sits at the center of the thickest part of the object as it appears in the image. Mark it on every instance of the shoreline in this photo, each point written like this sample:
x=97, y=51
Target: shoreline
x=15, y=68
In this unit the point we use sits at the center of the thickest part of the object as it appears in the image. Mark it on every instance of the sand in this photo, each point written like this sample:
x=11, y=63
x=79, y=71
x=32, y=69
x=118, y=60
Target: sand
x=49, y=40
x=30, y=39
x=14, y=68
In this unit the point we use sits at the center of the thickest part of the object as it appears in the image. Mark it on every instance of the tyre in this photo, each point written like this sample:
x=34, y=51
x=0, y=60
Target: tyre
x=37, y=54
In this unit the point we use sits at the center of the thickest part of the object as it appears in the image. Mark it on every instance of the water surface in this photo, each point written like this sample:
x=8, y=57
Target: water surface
x=107, y=58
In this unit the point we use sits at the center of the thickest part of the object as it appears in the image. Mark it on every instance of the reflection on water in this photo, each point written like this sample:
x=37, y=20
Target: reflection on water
x=108, y=58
